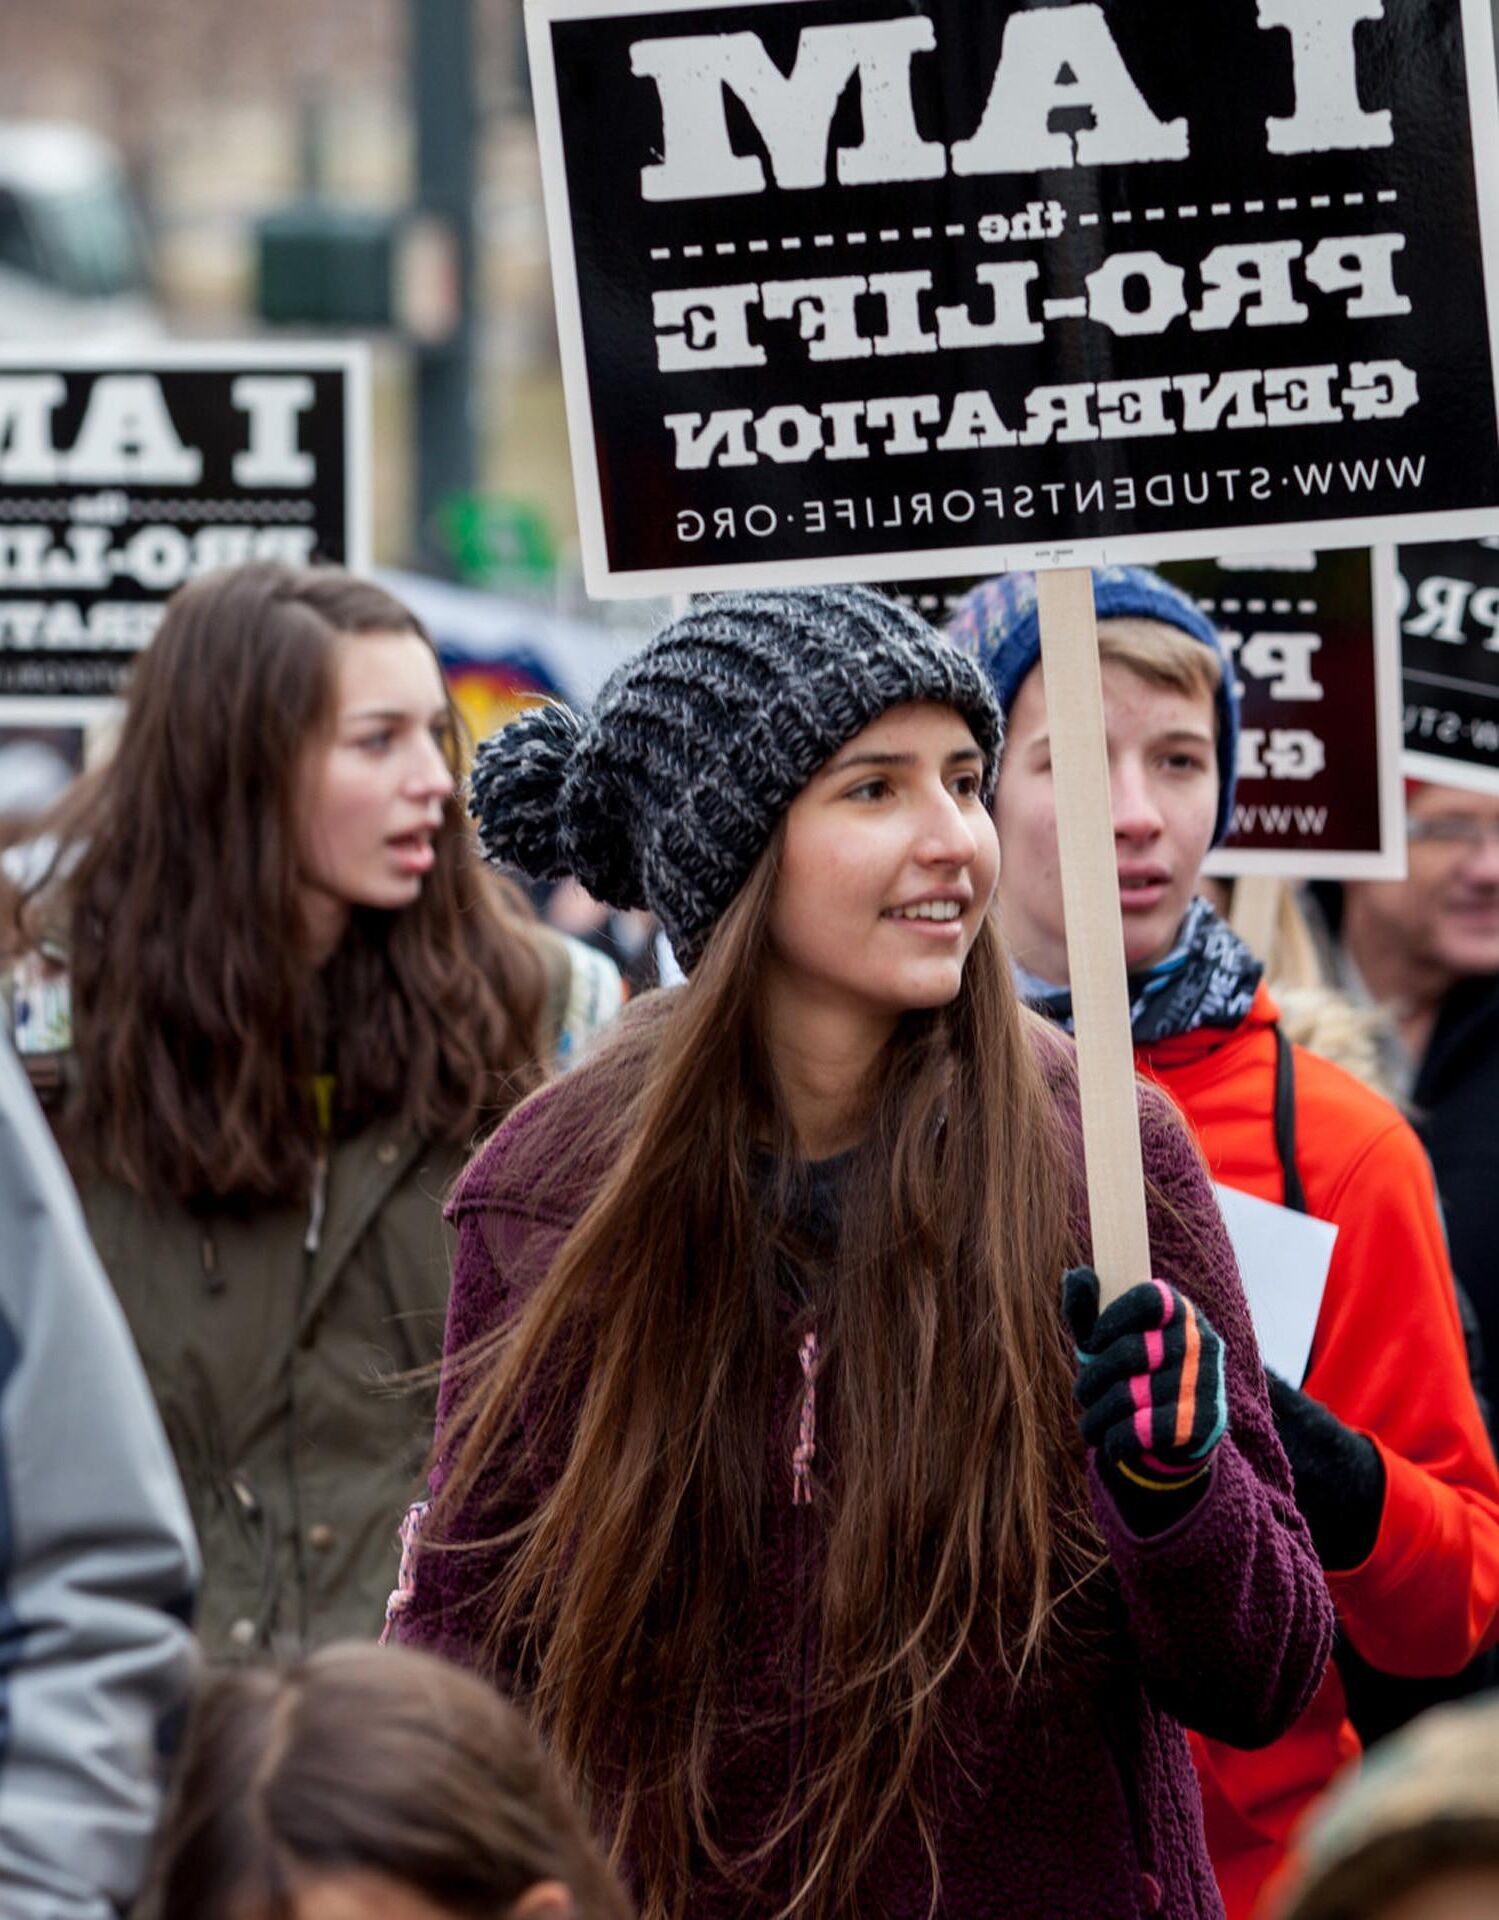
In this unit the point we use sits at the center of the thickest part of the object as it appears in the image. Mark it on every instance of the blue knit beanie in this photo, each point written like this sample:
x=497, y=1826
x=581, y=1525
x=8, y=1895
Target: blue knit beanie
x=998, y=624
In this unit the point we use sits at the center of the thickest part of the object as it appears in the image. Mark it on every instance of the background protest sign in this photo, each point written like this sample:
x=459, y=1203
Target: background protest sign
x=123, y=476
x=848, y=290
x=1314, y=639
x=1447, y=595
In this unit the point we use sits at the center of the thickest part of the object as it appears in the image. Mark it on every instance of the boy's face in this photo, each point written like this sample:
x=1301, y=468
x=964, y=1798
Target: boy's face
x=1163, y=777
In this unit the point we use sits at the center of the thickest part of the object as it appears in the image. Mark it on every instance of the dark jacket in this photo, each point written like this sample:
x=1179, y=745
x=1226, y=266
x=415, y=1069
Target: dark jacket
x=1076, y=1801
x=1456, y=1105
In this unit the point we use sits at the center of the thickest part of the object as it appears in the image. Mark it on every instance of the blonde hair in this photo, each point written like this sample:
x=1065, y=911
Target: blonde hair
x=1163, y=656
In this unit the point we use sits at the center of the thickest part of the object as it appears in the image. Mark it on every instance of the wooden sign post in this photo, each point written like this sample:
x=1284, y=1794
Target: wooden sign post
x=1095, y=945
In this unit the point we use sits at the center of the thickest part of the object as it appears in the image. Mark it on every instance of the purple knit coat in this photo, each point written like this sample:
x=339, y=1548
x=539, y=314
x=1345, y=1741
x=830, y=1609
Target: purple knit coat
x=1076, y=1802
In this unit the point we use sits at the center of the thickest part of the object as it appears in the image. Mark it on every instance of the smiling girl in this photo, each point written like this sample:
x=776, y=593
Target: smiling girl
x=840, y=1571
x=271, y=997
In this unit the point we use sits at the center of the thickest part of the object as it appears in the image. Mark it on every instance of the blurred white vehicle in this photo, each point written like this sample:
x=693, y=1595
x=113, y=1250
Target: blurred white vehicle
x=73, y=262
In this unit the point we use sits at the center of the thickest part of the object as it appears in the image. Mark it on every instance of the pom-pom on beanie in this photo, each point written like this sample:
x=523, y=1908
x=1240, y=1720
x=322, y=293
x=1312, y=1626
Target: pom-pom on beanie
x=667, y=792
x=998, y=624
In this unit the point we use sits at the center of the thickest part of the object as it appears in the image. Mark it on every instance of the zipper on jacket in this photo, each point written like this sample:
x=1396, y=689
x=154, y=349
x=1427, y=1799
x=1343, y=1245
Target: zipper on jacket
x=318, y=1203
x=322, y=1101
x=802, y=1461
x=317, y=1206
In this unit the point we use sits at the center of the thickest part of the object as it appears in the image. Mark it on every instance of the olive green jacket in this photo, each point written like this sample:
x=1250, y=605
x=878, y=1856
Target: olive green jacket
x=279, y=1345
x=277, y=1349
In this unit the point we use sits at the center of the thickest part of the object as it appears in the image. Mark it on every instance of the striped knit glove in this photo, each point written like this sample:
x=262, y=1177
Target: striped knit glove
x=1150, y=1385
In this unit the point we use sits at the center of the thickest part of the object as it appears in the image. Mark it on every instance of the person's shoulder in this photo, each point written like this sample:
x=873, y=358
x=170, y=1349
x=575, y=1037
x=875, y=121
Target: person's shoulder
x=1055, y=1054
x=1340, y=1120
x=1356, y=1036
x=1466, y=1035
x=1170, y=1151
x=1172, y=1161
x=548, y=1156
x=493, y=1182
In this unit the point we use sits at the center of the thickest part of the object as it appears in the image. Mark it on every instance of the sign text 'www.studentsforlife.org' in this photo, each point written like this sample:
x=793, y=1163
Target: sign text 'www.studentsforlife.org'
x=842, y=283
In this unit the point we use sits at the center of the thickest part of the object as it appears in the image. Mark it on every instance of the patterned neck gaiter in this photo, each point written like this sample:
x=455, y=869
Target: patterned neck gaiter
x=1207, y=980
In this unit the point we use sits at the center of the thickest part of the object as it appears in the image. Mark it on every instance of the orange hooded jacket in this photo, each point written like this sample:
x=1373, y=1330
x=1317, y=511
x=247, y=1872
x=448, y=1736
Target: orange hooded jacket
x=1388, y=1360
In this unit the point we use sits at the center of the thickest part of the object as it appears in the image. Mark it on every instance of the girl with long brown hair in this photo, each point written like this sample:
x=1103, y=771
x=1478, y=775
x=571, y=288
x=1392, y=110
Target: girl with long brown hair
x=271, y=998
x=848, y=1562
x=369, y=1783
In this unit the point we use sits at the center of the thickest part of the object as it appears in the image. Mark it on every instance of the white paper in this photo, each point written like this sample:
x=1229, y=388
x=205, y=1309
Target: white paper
x=1283, y=1260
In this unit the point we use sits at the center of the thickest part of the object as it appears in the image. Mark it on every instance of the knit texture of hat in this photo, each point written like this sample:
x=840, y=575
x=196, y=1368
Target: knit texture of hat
x=998, y=624
x=667, y=792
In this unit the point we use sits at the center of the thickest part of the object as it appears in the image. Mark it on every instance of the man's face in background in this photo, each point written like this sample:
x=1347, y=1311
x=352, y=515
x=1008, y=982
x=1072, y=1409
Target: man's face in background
x=1444, y=916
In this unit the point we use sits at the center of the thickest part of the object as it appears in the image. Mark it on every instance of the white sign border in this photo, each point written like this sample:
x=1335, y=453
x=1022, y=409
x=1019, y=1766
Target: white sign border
x=1438, y=772
x=606, y=582
x=352, y=358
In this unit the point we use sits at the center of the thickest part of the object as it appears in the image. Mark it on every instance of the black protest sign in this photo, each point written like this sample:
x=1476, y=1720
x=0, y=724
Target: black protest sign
x=1447, y=599
x=1313, y=644
x=123, y=477
x=849, y=289
x=1312, y=637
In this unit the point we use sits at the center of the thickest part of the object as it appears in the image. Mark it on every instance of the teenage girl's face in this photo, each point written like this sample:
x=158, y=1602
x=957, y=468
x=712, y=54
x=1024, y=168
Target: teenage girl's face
x=887, y=869
x=371, y=801
x=1163, y=782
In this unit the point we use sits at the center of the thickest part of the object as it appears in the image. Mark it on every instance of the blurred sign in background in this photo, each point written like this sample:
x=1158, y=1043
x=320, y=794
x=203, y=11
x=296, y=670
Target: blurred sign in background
x=203, y=169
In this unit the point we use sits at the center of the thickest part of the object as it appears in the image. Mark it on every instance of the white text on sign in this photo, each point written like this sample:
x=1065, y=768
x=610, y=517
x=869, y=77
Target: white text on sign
x=793, y=113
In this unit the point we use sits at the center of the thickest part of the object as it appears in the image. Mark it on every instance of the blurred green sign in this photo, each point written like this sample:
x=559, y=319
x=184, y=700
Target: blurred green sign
x=497, y=542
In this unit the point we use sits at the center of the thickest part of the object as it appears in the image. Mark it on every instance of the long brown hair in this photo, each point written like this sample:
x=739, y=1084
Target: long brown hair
x=366, y=1759
x=172, y=881
x=954, y=1509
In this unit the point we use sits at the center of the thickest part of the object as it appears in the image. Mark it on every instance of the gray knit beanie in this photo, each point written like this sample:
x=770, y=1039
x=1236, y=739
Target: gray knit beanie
x=667, y=792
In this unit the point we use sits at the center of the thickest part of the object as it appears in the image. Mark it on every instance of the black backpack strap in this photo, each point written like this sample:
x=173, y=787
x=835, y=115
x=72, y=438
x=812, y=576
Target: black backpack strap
x=1294, y=1195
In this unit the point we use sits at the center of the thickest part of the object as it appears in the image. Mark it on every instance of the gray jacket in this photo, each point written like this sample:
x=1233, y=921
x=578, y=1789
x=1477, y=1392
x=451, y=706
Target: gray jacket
x=97, y=1560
